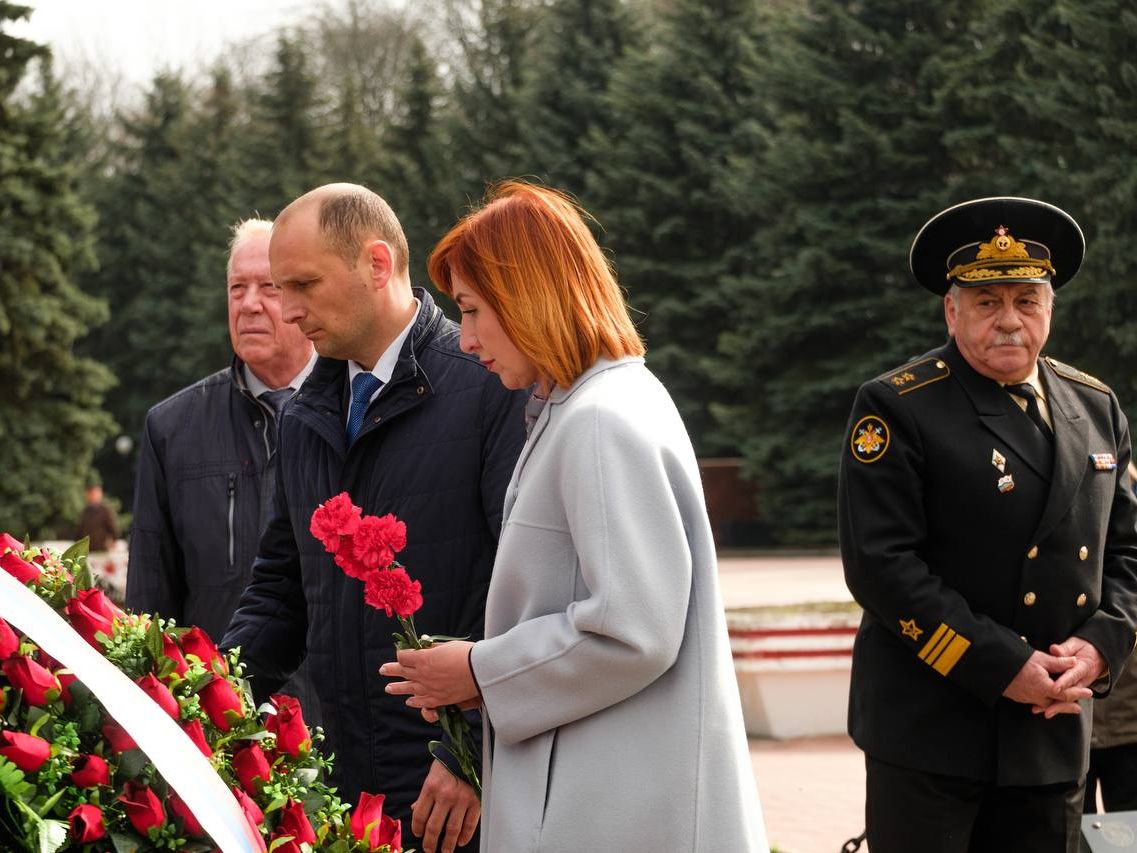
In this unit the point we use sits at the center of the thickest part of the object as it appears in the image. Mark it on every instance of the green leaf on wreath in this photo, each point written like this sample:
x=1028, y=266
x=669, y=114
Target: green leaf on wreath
x=131, y=763
x=50, y=802
x=124, y=843
x=78, y=550
x=284, y=839
x=12, y=781
x=154, y=641
x=52, y=835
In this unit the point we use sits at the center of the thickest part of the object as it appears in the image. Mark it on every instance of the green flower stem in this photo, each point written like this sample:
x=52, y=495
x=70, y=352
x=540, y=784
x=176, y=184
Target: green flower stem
x=455, y=726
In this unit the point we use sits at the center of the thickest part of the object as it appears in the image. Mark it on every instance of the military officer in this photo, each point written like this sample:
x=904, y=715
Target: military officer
x=987, y=528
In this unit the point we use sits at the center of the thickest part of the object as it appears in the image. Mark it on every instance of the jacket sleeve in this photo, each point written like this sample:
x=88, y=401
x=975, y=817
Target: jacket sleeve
x=883, y=533
x=626, y=526
x=155, y=578
x=270, y=623
x=1111, y=627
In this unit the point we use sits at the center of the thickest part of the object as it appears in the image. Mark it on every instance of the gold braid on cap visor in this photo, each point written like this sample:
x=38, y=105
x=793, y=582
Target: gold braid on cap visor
x=1002, y=257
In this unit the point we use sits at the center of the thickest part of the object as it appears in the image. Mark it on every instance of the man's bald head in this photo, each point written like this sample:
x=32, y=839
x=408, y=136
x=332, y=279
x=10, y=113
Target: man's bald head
x=350, y=216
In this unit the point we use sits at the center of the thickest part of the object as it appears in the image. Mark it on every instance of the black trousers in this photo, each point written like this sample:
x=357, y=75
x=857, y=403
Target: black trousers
x=1115, y=767
x=908, y=810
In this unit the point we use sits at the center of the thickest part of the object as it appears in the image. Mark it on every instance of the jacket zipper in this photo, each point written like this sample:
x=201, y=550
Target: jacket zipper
x=232, y=505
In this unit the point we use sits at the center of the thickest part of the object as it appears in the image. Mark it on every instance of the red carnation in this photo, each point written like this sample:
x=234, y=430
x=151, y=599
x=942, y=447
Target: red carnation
x=27, y=752
x=219, y=700
x=90, y=771
x=160, y=693
x=142, y=806
x=371, y=826
x=294, y=822
x=117, y=736
x=352, y=567
x=377, y=539
x=334, y=519
x=11, y=561
x=40, y=686
x=190, y=824
x=197, y=735
x=251, y=768
x=9, y=642
x=393, y=591
x=197, y=643
x=91, y=613
x=86, y=822
x=292, y=736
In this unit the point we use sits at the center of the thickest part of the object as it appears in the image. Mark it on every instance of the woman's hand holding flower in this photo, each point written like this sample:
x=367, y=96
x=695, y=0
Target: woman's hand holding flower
x=434, y=677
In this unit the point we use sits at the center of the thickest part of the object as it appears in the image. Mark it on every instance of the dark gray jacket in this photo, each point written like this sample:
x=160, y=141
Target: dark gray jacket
x=206, y=470
x=437, y=449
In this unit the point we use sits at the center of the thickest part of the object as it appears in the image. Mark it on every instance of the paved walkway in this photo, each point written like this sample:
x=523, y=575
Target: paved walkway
x=812, y=789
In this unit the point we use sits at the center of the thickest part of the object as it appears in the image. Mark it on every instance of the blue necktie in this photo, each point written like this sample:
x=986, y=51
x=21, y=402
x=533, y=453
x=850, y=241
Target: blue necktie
x=362, y=387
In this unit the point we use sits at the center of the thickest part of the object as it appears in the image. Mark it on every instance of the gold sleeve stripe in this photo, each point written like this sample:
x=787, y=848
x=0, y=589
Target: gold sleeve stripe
x=944, y=649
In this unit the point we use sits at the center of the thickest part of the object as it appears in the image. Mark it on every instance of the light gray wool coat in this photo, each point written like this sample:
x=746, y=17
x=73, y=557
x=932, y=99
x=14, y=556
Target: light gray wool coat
x=606, y=672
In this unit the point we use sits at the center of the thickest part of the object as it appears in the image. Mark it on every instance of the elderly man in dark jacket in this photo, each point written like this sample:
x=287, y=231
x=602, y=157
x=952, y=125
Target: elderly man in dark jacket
x=207, y=463
x=397, y=416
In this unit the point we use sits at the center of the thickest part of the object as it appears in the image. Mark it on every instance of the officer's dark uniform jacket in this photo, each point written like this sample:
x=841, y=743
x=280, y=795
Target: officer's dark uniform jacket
x=969, y=543
x=437, y=448
x=206, y=470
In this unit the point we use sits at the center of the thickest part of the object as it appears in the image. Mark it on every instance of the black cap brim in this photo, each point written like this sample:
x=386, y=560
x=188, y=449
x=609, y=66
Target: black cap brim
x=974, y=221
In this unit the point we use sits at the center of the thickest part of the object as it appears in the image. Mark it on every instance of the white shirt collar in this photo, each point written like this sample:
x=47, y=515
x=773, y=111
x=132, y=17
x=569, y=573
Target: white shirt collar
x=256, y=387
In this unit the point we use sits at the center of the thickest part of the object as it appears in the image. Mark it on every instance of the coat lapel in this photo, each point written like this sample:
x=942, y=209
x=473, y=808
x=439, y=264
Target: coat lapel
x=1071, y=443
x=999, y=414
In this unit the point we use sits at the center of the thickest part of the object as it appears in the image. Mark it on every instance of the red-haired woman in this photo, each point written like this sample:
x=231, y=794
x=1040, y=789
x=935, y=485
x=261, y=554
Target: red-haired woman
x=613, y=717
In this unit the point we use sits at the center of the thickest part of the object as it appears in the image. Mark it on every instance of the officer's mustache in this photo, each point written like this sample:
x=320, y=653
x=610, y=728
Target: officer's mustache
x=1009, y=340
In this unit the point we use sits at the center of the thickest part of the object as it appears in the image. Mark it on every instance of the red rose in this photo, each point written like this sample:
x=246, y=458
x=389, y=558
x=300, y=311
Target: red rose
x=333, y=519
x=251, y=768
x=197, y=643
x=90, y=771
x=252, y=810
x=9, y=642
x=289, y=846
x=39, y=685
x=117, y=736
x=86, y=823
x=66, y=679
x=13, y=563
x=294, y=822
x=27, y=752
x=91, y=613
x=393, y=590
x=371, y=826
x=197, y=735
x=219, y=699
x=161, y=694
x=287, y=724
x=190, y=824
x=142, y=806
x=170, y=649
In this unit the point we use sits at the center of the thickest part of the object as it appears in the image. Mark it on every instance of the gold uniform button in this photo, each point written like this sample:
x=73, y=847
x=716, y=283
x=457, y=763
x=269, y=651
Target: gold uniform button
x=1081, y=601
x=939, y=365
x=1029, y=599
x=1083, y=552
x=1032, y=553
x=1021, y=637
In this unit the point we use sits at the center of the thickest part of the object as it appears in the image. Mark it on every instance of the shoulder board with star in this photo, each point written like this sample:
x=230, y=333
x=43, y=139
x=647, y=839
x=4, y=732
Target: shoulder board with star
x=917, y=374
x=1075, y=375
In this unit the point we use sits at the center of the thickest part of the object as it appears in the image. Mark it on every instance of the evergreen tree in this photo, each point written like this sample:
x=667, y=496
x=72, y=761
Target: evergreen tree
x=578, y=45
x=664, y=187
x=1045, y=103
x=854, y=163
x=51, y=417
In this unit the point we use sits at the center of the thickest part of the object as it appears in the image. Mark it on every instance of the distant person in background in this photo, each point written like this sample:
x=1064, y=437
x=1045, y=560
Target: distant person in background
x=97, y=521
x=207, y=461
x=1113, y=741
